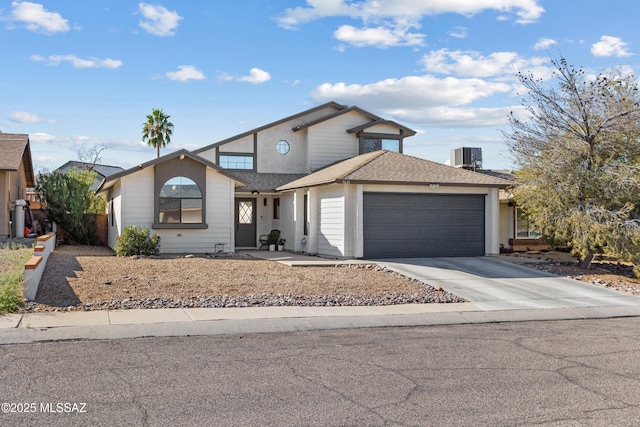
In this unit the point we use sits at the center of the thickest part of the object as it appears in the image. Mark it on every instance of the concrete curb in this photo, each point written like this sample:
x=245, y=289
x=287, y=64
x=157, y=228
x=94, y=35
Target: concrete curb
x=175, y=324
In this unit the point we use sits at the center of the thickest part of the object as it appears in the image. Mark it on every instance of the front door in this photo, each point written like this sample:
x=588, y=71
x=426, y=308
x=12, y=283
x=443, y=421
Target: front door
x=245, y=223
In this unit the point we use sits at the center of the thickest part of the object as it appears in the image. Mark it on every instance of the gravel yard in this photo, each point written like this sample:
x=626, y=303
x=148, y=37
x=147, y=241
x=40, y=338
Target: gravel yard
x=91, y=278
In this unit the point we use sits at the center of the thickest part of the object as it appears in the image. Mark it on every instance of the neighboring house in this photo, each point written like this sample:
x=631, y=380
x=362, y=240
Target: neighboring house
x=16, y=175
x=516, y=231
x=102, y=171
x=332, y=178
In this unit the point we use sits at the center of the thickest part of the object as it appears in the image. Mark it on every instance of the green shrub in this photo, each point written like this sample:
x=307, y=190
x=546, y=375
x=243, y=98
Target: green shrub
x=137, y=241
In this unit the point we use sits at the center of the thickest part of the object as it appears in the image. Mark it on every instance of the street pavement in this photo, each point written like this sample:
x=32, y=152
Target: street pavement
x=560, y=373
x=498, y=290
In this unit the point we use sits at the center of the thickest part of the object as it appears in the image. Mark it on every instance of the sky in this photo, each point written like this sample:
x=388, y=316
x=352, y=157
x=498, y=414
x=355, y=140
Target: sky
x=79, y=75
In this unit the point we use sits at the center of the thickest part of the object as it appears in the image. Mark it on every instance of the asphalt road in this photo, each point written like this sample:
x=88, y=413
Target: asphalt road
x=562, y=373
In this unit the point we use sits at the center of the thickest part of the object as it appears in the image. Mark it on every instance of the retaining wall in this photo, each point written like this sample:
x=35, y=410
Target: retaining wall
x=34, y=268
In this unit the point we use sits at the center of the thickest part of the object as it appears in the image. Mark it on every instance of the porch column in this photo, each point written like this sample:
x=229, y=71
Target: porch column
x=314, y=220
x=492, y=223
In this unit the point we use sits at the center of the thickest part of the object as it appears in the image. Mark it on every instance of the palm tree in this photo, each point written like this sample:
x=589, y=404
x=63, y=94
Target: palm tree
x=157, y=130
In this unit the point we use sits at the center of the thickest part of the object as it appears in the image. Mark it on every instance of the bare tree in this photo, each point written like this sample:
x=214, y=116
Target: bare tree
x=90, y=156
x=578, y=152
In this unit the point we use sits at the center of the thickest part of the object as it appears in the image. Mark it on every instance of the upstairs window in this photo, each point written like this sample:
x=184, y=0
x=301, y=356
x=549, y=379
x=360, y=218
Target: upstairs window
x=180, y=202
x=236, y=161
x=369, y=143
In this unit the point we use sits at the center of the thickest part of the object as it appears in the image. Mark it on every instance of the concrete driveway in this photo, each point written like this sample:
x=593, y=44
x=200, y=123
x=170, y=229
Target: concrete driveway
x=493, y=283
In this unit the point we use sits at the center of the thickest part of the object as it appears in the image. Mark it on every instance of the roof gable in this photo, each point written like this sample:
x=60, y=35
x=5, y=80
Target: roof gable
x=16, y=150
x=405, y=130
x=110, y=180
x=331, y=104
x=388, y=167
x=375, y=120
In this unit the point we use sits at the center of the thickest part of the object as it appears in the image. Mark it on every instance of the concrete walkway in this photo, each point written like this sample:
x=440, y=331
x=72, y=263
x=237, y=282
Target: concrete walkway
x=299, y=260
x=499, y=291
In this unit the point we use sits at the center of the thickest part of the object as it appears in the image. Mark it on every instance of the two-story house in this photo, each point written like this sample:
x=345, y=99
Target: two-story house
x=332, y=178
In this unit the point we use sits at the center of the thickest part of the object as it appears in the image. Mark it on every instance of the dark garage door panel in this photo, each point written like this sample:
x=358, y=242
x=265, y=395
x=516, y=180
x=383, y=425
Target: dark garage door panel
x=423, y=225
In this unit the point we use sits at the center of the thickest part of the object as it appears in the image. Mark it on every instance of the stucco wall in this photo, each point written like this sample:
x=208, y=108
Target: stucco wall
x=270, y=161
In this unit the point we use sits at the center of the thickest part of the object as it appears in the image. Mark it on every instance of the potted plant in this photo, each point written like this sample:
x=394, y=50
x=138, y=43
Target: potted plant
x=281, y=245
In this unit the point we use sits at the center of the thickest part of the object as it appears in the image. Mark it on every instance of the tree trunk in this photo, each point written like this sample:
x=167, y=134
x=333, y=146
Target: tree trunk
x=586, y=262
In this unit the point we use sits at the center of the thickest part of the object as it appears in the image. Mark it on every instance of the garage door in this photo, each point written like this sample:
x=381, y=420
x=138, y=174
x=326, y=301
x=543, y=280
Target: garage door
x=423, y=225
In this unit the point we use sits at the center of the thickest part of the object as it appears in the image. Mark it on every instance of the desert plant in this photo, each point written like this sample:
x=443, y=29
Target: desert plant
x=137, y=241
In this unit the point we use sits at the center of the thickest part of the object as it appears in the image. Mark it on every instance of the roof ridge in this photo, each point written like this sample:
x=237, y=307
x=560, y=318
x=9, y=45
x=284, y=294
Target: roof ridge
x=269, y=125
x=373, y=155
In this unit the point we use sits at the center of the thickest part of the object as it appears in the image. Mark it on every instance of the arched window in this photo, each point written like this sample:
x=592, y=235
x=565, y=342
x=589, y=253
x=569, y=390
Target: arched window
x=180, y=202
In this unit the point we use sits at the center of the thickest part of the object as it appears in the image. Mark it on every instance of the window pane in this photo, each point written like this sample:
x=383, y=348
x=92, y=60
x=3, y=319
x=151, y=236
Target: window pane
x=276, y=208
x=391, y=145
x=245, y=212
x=180, y=186
x=372, y=145
x=169, y=211
x=236, y=162
x=523, y=227
x=191, y=211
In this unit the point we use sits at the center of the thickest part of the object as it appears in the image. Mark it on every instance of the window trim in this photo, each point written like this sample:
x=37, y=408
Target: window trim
x=172, y=168
x=305, y=215
x=220, y=154
x=284, y=143
x=276, y=208
x=391, y=136
x=530, y=229
x=179, y=200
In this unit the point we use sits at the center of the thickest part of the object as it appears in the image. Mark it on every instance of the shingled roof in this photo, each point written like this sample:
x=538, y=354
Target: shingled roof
x=388, y=167
x=264, y=182
x=15, y=150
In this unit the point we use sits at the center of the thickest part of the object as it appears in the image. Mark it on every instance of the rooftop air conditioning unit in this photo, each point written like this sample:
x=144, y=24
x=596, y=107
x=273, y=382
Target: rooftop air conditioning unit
x=467, y=158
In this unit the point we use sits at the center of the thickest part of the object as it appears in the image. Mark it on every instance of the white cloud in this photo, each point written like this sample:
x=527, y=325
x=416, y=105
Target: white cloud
x=256, y=76
x=78, y=62
x=24, y=117
x=544, y=43
x=378, y=36
x=37, y=18
x=610, y=46
x=459, y=32
x=158, y=20
x=42, y=138
x=185, y=73
x=447, y=117
x=411, y=92
x=474, y=64
x=526, y=11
